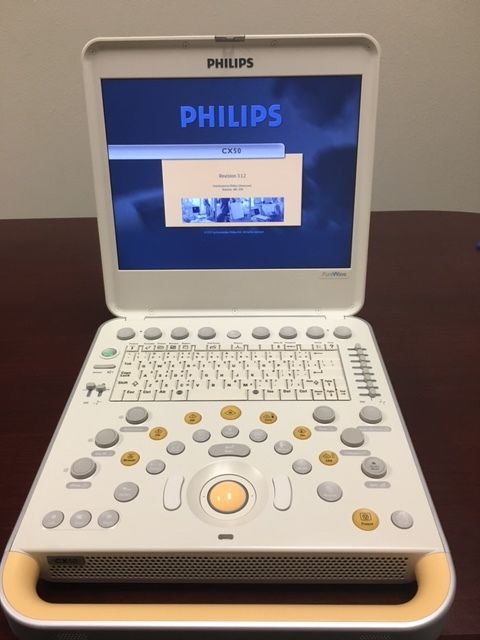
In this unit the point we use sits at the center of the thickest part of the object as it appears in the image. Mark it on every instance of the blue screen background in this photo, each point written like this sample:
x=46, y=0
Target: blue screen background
x=320, y=118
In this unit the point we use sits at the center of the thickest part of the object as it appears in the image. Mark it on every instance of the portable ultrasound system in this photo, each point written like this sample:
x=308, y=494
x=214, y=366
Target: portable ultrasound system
x=235, y=422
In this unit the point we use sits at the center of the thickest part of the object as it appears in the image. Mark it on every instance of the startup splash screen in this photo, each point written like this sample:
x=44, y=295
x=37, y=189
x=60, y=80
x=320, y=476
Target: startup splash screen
x=233, y=173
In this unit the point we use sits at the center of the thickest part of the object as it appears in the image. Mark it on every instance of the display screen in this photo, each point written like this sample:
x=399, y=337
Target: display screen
x=233, y=173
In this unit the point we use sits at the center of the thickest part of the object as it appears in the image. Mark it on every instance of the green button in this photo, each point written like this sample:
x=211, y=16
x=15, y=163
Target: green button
x=109, y=353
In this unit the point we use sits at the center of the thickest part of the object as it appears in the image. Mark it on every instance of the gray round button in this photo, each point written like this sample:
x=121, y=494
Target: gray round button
x=233, y=334
x=154, y=467
x=342, y=332
x=374, y=467
x=302, y=466
x=83, y=468
x=126, y=491
x=352, y=437
x=371, y=415
x=329, y=491
x=288, y=333
x=126, y=333
x=315, y=333
x=261, y=333
x=152, y=333
x=175, y=447
x=106, y=438
x=201, y=435
x=108, y=519
x=258, y=435
x=136, y=415
x=324, y=415
x=206, y=333
x=80, y=519
x=52, y=519
x=402, y=519
x=283, y=447
x=229, y=431
x=179, y=333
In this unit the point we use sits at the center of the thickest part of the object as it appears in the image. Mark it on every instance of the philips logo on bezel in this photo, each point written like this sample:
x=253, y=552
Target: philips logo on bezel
x=229, y=63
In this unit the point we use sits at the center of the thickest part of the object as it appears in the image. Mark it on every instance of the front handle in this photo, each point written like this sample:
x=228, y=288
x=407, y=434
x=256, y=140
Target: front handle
x=21, y=572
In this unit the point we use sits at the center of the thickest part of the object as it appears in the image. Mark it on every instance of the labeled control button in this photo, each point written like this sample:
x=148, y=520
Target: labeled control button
x=234, y=334
x=126, y=492
x=329, y=491
x=106, y=438
x=302, y=433
x=324, y=415
x=126, y=333
x=175, y=448
x=227, y=496
x=402, y=519
x=154, y=467
x=152, y=333
x=206, y=333
x=179, y=333
x=201, y=435
x=374, y=467
x=110, y=352
x=268, y=417
x=52, y=519
x=108, y=519
x=371, y=415
x=158, y=433
x=172, y=493
x=315, y=333
x=328, y=458
x=229, y=449
x=80, y=519
x=136, y=415
x=229, y=431
x=283, y=447
x=258, y=435
x=342, y=332
x=288, y=333
x=352, y=437
x=130, y=458
x=282, y=492
x=261, y=333
x=83, y=468
x=192, y=417
x=230, y=412
x=365, y=519
x=302, y=466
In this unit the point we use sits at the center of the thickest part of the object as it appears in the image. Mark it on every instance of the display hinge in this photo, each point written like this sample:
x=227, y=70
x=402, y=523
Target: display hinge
x=229, y=38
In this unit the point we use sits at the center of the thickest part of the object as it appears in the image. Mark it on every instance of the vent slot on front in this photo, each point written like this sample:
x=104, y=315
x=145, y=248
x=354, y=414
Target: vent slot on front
x=230, y=568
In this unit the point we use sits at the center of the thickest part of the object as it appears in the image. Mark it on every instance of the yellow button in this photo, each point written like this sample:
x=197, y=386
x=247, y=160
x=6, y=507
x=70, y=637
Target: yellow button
x=130, y=458
x=158, y=433
x=365, y=519
x=268, y=417
x=192, y=417
x=328, y=457
x=227, y=496
x=230, y=412
x=302, y=433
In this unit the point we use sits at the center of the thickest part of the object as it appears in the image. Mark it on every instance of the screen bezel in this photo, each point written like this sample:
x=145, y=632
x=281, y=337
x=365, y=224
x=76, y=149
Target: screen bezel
x=194, y=292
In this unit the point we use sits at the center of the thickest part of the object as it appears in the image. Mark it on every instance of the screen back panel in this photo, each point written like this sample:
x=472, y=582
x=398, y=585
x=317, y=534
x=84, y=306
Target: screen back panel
x=233, y=176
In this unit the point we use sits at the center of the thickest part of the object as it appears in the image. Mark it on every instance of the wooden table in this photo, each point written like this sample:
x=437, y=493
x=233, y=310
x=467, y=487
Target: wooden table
x=423, y=300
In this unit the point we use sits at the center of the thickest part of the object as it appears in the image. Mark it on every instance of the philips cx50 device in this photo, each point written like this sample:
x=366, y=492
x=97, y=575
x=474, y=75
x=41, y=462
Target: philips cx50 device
x=234, y=422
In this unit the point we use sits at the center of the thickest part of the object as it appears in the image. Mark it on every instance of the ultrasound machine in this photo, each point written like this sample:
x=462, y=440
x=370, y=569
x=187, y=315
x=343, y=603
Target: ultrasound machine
x=234, y=422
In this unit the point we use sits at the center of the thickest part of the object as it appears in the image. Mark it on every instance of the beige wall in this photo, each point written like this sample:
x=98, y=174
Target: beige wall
x=428, y=140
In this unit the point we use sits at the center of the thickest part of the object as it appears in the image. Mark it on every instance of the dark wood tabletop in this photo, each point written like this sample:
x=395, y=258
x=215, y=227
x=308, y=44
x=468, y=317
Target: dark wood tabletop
x=423, y=301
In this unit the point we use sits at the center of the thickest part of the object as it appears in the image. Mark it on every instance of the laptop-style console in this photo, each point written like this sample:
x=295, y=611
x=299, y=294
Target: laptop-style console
x=235, y=421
